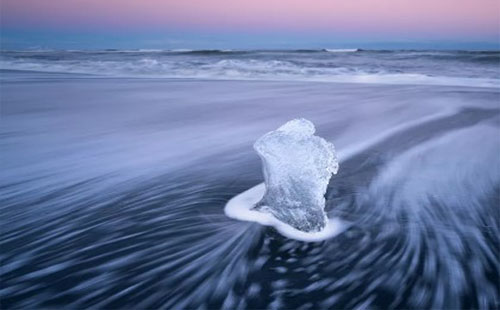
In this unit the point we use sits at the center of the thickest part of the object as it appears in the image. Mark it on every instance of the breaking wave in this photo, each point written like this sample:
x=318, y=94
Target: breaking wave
x=461, y=68
x=342, y=50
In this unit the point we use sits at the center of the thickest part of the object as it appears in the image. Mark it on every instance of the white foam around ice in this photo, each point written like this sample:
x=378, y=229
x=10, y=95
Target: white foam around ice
x=241, y=206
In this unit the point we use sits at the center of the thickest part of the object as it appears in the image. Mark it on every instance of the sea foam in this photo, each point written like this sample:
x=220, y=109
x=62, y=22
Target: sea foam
x=241, y=207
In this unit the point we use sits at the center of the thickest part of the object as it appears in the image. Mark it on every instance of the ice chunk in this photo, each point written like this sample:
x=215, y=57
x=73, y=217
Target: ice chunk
x=297, y=167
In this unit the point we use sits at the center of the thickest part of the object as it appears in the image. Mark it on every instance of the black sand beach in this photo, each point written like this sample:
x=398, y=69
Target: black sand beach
x=113, y=189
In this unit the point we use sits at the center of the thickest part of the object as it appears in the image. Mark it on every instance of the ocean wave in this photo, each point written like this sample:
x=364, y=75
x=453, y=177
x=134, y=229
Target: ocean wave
x=332, y=65
x=209, y=52
x=342, y=50
x=247, y=70
x=228, y=69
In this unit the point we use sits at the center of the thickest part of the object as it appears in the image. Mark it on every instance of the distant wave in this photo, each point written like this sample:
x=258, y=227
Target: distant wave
x=442, y=54
x=209, y=52
x=342, y=50
x=246, y=70
x=457, y=68
x=234, y=74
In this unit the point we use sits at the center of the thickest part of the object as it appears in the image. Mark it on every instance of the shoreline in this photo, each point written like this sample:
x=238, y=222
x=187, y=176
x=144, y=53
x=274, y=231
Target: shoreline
x=5, y=74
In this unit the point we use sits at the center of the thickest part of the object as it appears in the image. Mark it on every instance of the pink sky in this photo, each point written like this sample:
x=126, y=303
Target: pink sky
x=452, y=18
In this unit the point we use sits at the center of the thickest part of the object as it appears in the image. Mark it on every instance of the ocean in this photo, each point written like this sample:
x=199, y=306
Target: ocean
x=460, y=68
x=117, y=165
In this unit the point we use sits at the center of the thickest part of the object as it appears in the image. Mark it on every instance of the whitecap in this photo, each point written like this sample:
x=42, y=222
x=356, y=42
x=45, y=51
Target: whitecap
x=341, y=50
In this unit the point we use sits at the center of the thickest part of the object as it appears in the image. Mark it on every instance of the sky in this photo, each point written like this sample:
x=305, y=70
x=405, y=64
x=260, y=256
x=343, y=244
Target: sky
x=92, y=24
